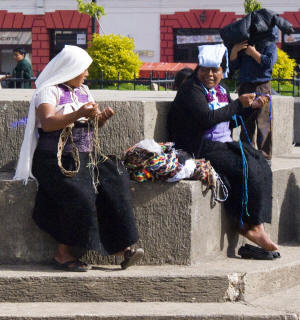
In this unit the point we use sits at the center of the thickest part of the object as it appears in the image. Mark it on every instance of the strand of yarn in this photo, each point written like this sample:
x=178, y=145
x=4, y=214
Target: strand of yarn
x=65, y=134
x=244, y=178
x=95, y=156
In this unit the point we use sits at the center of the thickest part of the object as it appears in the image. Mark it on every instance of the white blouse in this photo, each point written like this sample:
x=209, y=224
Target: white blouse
x=64, y=98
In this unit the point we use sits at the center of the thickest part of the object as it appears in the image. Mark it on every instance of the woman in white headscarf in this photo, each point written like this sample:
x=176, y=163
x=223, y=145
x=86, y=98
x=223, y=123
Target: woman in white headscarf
x=70, y=205
x=200, y=121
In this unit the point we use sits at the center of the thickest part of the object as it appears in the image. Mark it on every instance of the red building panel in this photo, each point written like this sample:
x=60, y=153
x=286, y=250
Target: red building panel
x=293, y=18
x=67, y=16
x=57, y=20
x=44, y=60
x=229, y=18
x=43, y=53
x=45, y=45
x=75, y=20
x=49, y=21
x=217, y=21
x=18, y=22
x=163, y=44
x=36, y=29
x=35, y=60
x=190, y=16
x=182, y=20
x=43, y=37
x=84, y=21
x=206, y=19
x=44, y=30
x=36, y=45
x=169, y=36
x=2, y=16
x=8, y=20
x=39, y=22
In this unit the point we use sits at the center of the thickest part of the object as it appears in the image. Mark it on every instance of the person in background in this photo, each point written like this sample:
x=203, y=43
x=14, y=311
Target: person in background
x=23, y=68
x=181, y=77
x=255, y=65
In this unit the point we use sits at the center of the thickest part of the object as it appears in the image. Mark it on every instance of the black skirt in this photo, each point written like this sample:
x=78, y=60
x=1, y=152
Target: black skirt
x=73, y=214
x=227, y=161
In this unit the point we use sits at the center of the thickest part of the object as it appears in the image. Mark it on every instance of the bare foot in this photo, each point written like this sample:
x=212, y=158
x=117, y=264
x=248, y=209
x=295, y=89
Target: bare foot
x=258, y=235
x=63, y=254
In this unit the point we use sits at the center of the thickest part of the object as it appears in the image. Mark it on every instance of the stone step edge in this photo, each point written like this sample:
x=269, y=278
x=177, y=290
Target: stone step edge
x=126, y=311
x=215, y=281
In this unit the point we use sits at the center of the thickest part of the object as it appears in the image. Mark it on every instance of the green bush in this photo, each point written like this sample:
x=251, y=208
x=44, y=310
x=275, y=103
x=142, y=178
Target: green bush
x=251, y=5
x=284, y=67
x=113, y=54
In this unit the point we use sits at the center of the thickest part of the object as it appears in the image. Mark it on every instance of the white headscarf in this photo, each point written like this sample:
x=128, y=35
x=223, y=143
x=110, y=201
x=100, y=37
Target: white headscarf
x=211, y=56
x=68, y=64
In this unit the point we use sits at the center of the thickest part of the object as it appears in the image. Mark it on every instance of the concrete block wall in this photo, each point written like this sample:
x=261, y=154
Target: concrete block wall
x=136, y=118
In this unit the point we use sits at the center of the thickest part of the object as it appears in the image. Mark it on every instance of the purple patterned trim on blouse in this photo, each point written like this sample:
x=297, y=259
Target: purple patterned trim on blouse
x=222, y=97
x=209, y=97
x=81, y=96
x=66, y=96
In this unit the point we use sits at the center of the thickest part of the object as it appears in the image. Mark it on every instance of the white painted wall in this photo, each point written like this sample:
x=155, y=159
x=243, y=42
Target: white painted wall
x=140, y=19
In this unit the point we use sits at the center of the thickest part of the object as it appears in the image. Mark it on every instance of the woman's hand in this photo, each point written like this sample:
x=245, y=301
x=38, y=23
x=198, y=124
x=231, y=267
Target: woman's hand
x=237, y=48
x=105, y=115
x=252, y=52
x=88, y=110
x=247, y=99
x=260, y=101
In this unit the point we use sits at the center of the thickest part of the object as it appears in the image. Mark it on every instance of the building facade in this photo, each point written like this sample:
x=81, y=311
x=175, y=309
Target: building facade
x=163, y=30
x=40, y=29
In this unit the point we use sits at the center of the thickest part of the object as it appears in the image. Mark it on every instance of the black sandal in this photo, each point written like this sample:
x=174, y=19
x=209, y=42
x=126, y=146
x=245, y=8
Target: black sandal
x=71, y=266
x=252, y=252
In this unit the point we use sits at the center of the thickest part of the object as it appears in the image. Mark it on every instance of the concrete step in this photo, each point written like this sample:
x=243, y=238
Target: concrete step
x=216, y=280
x=287, y=300
x=176, y=223
x=140, y=311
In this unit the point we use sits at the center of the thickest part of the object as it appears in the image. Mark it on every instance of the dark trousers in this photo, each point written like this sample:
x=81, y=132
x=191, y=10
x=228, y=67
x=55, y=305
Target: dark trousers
x=259, y=119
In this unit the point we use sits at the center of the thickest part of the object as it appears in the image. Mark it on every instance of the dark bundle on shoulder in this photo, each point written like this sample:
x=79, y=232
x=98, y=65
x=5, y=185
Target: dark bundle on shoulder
x=257, y=27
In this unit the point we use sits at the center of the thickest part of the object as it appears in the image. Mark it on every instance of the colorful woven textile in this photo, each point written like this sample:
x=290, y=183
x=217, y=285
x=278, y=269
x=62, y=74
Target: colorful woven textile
x=144, y=165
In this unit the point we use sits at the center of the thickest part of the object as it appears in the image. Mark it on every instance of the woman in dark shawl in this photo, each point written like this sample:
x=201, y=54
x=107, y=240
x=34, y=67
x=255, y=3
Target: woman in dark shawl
x=200, y=121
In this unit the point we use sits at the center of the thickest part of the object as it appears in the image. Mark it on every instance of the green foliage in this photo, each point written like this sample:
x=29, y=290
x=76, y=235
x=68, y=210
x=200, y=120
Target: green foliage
x=251, y=5
x=284, y=67
x=90, y=8
x=113, y=54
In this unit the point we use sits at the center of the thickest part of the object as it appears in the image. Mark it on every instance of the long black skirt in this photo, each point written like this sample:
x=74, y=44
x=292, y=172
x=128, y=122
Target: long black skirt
x=227, y=161
x=73, y=214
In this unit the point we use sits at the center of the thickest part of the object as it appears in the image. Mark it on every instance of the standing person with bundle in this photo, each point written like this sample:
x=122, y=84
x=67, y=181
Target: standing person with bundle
x=253, y=52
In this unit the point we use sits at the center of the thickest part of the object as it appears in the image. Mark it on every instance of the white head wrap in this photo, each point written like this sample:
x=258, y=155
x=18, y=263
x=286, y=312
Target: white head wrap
x=68, y=64
x=211, y=56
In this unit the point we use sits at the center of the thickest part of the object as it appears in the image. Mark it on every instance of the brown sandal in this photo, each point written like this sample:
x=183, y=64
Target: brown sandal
x=131, y=257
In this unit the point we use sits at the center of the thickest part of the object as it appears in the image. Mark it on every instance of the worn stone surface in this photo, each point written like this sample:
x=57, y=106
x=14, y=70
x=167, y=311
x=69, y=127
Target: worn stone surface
x=215, y=280
x=140, y=311
x=141, y=116
x=175, y=221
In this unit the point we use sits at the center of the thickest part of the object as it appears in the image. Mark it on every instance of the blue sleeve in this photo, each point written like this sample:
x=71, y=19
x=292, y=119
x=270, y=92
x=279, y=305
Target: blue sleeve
x=234, y=64
x=269, y=56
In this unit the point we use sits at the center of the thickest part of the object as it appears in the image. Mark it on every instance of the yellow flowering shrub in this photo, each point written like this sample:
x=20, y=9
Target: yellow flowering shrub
x=284, y=67
x=113, y=54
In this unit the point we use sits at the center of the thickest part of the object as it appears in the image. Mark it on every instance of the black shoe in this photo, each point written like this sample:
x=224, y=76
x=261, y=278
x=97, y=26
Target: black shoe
x=252, y=252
